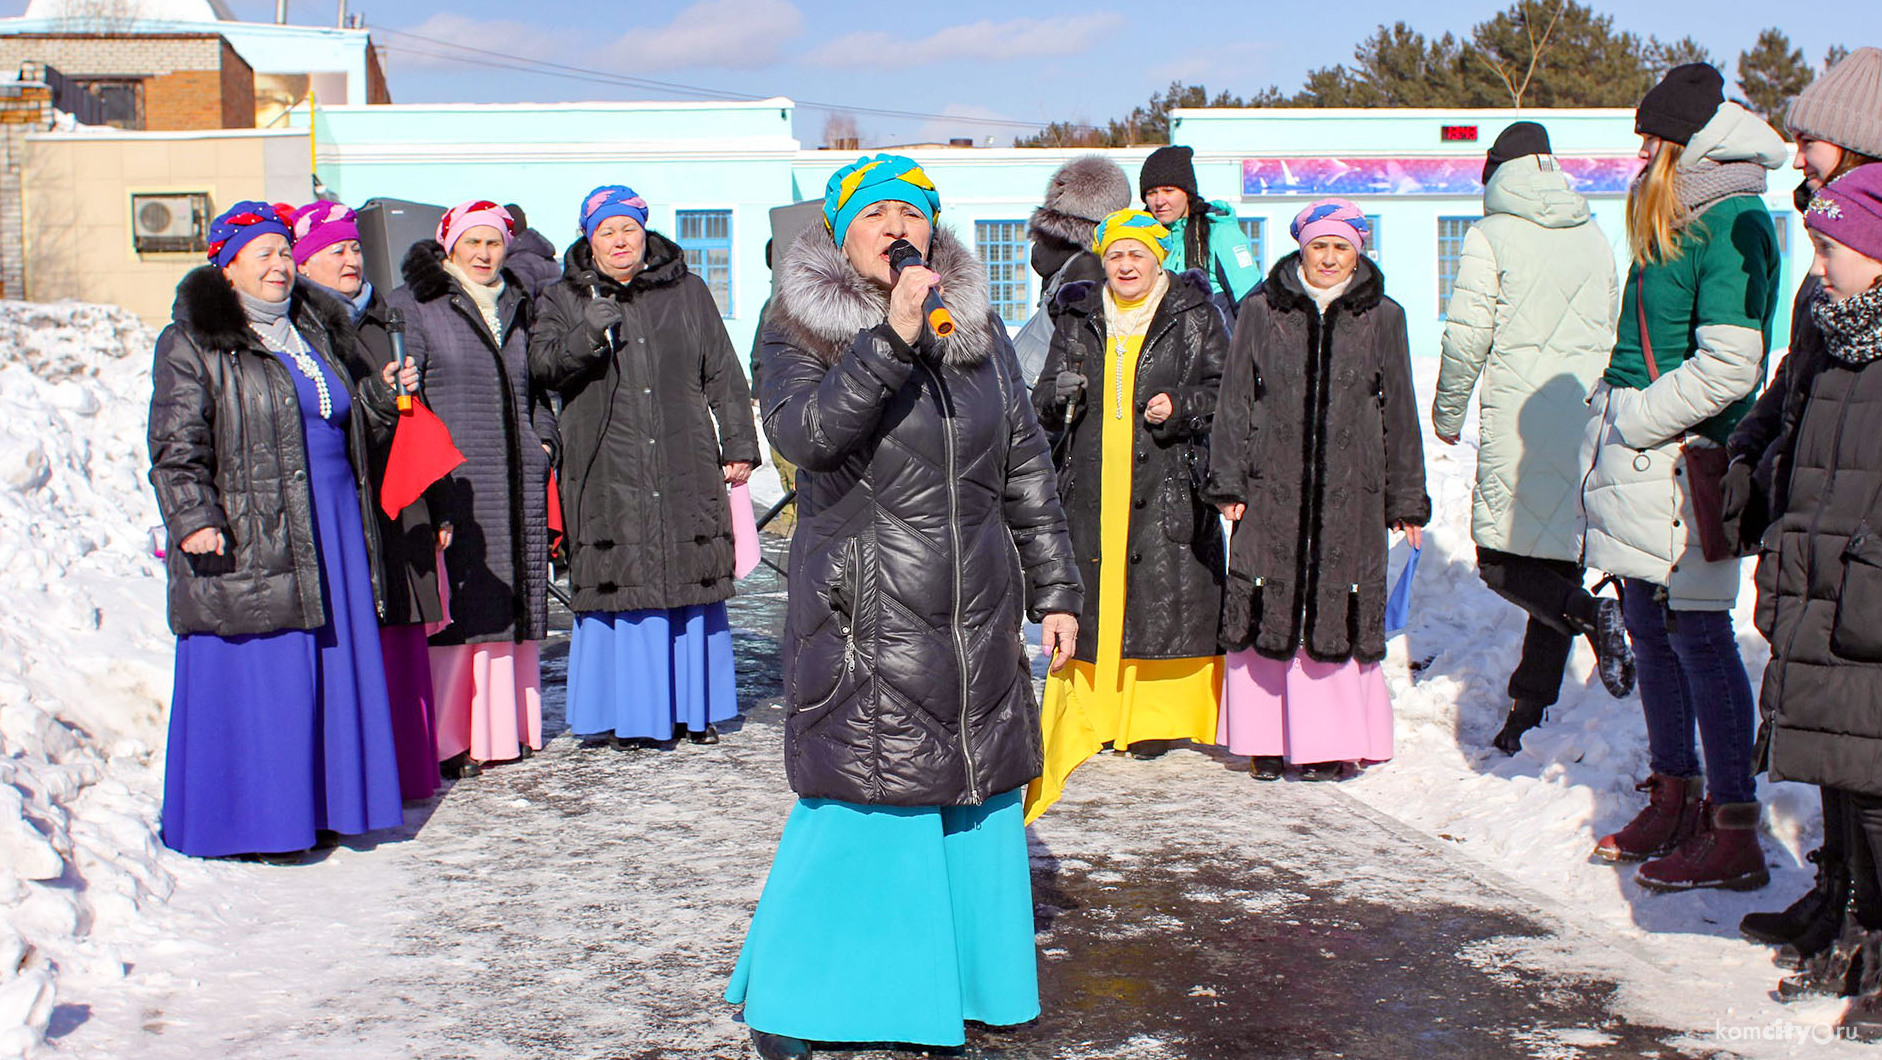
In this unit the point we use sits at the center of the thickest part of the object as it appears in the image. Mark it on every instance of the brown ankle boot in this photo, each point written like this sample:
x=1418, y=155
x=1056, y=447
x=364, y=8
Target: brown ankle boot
x=1862, y=1021
x=1671, y=813
x=1723, y=852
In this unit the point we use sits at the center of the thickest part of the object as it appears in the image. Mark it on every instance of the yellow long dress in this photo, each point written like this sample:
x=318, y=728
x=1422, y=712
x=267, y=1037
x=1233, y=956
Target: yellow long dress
x=1117, y=700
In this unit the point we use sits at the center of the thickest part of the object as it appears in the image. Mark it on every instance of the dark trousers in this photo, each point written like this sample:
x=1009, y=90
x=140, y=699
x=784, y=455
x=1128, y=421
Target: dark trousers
x=1690, y=674
x=1551, y=593
x=1860, y=834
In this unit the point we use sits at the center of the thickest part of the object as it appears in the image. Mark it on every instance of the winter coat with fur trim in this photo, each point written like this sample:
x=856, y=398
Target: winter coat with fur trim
x=1174, y=568
x=227, y=451
x=1317, y=433
x=642, y=482
x=928, y=527
x=497, y=500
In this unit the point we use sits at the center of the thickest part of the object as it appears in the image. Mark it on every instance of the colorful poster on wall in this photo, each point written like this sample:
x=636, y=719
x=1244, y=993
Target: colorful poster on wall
x=1456, y=176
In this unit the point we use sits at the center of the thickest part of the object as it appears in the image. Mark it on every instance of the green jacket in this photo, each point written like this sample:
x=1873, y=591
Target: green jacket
x=1725, y=278
x=1532, y=314
x=1232, y=259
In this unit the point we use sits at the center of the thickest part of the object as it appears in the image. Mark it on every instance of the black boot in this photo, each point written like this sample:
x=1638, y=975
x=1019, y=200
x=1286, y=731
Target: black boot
x=1863, y=1019
x=1614, y=657
x=1323, y=771
x=779, y=1047
x=1267, y=767
x=1811, y=921
x=460, y=766
x=1524, y=715
x=707, y=737
x=1834, y=971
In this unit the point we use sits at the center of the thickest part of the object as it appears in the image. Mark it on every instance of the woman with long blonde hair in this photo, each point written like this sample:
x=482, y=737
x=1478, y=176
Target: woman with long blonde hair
x=1694, y=330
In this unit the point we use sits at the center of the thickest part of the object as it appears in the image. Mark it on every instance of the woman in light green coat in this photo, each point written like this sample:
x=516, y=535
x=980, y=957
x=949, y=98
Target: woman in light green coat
x=1532, y=315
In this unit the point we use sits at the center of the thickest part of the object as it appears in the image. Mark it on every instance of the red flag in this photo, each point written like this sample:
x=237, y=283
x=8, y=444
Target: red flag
x=422, y=453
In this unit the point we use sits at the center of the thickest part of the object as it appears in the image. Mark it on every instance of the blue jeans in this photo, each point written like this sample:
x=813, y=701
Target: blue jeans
x=1691, y=674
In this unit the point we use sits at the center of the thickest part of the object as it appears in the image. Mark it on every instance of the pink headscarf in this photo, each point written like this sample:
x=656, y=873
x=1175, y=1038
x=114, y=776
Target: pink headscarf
x=1331, y=217
x=319, y=225
x=465, y=216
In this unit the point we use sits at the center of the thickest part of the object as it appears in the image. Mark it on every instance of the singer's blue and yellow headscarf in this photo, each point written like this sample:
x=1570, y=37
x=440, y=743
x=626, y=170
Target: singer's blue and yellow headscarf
x=871, y=180
x=1131, y=224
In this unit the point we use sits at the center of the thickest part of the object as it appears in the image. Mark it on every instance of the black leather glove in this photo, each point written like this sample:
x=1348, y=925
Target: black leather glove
x=1735, y=489
x=598, y=316
x=1068, y=387
x=1743, y=509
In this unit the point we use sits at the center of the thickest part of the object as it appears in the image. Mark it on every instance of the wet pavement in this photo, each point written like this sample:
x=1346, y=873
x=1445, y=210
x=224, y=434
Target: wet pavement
x=591, y=902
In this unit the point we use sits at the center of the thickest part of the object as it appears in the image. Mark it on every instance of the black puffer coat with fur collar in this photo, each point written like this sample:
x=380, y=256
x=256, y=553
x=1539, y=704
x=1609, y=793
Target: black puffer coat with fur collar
x=227, y=451
x=929, y=526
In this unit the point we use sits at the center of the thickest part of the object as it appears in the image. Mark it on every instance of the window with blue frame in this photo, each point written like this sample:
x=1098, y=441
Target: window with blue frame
x=1451, y=232
x=1004, y=248
x=1255, y=230
x=706, y=237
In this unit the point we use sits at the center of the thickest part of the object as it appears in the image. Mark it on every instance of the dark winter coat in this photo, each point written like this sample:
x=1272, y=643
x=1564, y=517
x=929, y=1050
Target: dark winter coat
x=497, y=500
x=929, y=526
x=1820, y=590
x=1317, y=433
x=1764, y=437
x=642, y=479
x=1174, y=577
x=227, y=450
x=409, y=544
x=532, y=258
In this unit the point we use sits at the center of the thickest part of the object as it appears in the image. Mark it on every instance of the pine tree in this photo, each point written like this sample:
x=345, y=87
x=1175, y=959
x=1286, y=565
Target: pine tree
x=1771, y=74
x=1836, y=54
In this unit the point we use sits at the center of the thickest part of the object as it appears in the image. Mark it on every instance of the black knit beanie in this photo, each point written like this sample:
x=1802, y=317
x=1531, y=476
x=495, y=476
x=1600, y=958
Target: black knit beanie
x=1519, y=140
x=1682, y=103
x=517, y=215
x=1169, y=167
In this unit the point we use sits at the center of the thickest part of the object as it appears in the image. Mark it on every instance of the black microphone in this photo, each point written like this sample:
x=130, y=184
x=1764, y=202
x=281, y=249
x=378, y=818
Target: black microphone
x=902, y=254
x=395, y=327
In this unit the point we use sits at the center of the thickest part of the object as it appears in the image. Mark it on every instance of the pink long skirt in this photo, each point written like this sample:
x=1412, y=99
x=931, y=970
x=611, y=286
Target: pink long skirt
x=408, y=690
x=489, y=700
x=1305, y=711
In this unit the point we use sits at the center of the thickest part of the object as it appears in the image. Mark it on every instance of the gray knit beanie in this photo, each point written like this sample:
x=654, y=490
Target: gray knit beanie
x=1844, y=106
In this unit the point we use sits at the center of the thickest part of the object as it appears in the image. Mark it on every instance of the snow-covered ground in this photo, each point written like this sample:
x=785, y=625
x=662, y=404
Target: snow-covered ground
x=85, y=911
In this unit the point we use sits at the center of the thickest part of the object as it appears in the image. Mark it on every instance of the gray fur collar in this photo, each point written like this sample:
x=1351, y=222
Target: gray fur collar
x=823, y=302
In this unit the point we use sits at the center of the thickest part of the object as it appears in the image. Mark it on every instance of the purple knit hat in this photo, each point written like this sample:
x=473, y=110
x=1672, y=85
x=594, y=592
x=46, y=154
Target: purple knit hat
x=1331, y=217
x=1849, y=210
x=319, y=225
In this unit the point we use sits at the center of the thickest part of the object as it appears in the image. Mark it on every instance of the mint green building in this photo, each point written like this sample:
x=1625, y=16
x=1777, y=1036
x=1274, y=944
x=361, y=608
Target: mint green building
x=712, y=171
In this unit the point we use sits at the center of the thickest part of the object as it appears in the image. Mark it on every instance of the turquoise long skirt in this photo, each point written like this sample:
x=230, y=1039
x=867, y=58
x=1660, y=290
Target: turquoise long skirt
x=892, y=924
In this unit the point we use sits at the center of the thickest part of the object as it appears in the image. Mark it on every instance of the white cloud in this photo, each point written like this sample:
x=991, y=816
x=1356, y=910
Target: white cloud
x=495, y=35
x=727, y=34
x=1019, y=38
x=960, y=121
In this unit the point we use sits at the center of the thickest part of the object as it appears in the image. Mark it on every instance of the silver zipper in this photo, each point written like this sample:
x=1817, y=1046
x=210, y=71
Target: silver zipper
x=954, y=535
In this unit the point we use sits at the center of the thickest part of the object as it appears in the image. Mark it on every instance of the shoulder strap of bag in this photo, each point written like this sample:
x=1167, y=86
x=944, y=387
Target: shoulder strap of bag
x=1640, y=314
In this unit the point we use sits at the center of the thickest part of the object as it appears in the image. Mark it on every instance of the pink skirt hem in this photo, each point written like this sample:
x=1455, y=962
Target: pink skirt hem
x=1304, y=710
x=489, y=700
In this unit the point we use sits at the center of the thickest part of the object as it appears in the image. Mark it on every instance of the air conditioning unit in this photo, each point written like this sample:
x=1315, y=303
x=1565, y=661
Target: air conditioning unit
x=169, y=223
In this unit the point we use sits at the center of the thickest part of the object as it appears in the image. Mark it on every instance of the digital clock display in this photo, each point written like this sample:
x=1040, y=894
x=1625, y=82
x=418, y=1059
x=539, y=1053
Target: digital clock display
x=1460, y=134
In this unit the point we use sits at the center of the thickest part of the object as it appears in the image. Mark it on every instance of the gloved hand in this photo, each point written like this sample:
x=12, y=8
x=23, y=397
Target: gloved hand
x=1744, y=510
x=1068, y=387
x=1735, y=489
x=597, y=317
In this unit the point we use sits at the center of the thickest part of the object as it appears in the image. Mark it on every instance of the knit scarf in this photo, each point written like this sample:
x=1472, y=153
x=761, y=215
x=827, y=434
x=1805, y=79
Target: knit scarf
x=1852, y=328
x=1324, y=297
x=1708, y=182
x=485, y=295
x=1124, y=321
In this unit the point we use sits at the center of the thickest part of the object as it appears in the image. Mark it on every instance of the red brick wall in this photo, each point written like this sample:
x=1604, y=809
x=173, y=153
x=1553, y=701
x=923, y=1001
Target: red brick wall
x=185, y=100
x=238, y=90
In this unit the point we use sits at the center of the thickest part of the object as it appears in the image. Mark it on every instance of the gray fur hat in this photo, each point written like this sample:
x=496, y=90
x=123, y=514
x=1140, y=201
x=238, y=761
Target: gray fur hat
x=1844, y=106
x=1081, y=193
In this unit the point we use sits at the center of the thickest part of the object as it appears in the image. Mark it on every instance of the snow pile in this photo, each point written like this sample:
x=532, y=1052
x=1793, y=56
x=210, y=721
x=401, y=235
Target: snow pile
x=84, y=655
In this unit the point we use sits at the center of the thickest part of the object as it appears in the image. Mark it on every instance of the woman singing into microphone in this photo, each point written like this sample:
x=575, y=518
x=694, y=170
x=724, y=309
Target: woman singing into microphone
x=900, y=903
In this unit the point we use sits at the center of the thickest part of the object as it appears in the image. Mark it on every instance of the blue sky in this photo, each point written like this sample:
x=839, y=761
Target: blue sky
x=963, y=61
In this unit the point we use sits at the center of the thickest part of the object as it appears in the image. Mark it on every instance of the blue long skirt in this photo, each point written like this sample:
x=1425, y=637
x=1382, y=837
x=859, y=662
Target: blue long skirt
x=277, y=735
x=638, y=674
x=892, y=924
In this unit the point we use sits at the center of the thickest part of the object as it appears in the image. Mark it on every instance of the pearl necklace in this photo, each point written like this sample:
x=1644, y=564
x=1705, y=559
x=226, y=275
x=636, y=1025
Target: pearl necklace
x=303, y=360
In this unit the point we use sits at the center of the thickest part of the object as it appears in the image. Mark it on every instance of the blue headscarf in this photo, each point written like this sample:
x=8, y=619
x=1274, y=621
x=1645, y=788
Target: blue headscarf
x=240, y=224
x=611, y=200
x=867, y=181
